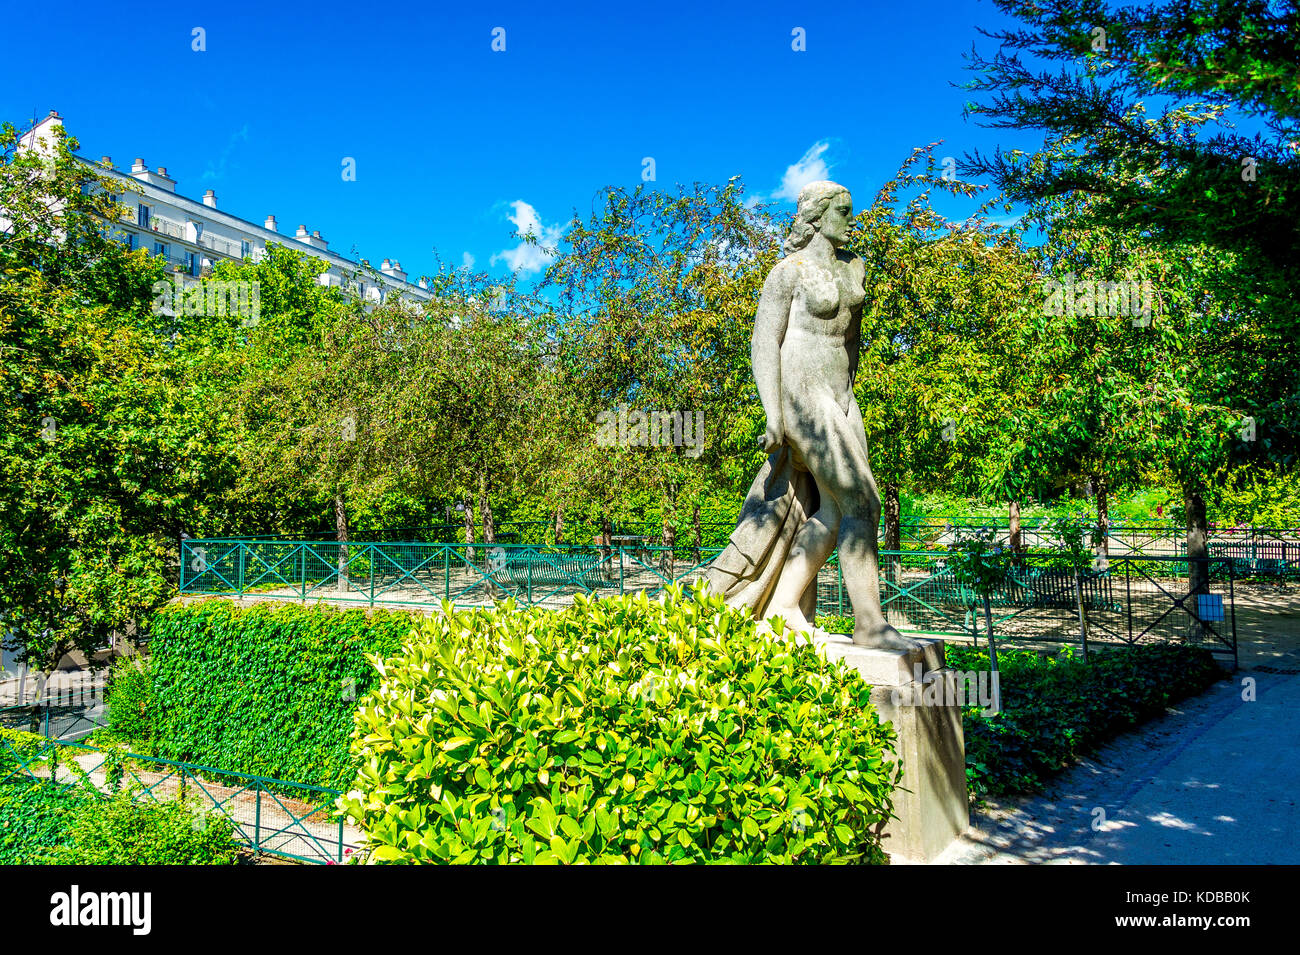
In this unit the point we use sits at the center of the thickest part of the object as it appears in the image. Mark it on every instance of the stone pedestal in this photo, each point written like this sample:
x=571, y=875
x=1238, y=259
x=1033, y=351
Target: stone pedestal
x=931, y=803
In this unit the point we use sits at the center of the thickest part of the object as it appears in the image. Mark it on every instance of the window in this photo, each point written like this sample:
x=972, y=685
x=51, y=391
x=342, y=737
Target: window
x=142, y=216
x=130, y=241
x=245, y=248
x=160, y=248
x=193, y=261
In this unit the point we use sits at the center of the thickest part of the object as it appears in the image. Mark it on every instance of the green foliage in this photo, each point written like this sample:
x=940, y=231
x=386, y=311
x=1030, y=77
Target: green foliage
x=44, y=823
x=131, y=698
x=618, y=730
x=268, y=689
x=1262, y=497
x=120, y=830
x=34, y=817
x=1056, y=709
x=977, y=561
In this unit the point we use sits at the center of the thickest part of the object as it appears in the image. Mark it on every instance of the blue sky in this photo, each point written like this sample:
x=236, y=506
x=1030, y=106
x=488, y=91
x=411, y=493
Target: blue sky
x=451, y=139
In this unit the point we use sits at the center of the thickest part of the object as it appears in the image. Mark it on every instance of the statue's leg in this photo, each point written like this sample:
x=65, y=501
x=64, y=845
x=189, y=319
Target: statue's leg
x=809, y=551
x=840, y=466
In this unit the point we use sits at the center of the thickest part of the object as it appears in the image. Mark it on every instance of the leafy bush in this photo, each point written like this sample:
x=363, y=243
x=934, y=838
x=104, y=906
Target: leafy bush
x=131, y=698
x=618, y=730
x=120, y=831
x=268, y=689
x=33, y=817
x=1055, y=709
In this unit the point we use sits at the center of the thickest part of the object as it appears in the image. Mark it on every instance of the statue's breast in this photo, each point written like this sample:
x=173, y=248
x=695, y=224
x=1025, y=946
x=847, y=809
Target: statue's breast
x=819, y=290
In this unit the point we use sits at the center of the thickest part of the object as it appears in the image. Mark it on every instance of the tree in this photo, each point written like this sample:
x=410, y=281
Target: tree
x=657, y=293
x=108, y=448
x=934, y=372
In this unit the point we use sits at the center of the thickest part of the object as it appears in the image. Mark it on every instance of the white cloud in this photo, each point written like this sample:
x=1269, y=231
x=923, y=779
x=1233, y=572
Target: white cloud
x=810, y=168
x=527, y=258
x=466, y=261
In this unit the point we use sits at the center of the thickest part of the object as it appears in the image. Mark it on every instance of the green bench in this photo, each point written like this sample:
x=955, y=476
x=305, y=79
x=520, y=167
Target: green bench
x=533, y=570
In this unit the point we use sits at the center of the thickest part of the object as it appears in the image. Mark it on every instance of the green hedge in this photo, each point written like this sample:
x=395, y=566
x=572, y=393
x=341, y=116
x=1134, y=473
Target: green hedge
x=1056, y=709
x=618, y=730
x=45, y=823
x=264, y=689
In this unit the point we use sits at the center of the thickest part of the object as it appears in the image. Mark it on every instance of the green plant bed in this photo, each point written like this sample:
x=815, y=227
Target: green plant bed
x=618, y=730
x=44, y=823
x=1056, y=708
x=267, y=689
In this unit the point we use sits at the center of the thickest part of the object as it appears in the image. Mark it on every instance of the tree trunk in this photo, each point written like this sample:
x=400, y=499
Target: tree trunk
x=1198, y=567
x=699, y=542
x=893, y=515
x=669, y=537
x=341, y=533
x=603, y=540
x=1103, y=523
x=485, y=512
x=559, y=524
x=1017, y=539
x=468, y=505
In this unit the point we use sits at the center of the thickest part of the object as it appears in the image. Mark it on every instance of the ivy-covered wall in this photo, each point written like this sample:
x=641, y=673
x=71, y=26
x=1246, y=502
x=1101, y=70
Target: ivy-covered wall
x=269, y=689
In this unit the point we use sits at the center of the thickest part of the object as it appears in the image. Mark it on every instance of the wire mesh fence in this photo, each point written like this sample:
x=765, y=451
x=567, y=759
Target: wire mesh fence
x=1135, y=599
x=272, y=816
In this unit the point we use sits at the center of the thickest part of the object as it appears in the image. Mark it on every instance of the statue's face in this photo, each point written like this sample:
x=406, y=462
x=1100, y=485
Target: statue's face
x=834, y=223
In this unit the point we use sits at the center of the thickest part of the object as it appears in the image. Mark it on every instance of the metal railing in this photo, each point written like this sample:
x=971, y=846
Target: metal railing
x=1147, y=596
x=272, y=816
x=1135, y=600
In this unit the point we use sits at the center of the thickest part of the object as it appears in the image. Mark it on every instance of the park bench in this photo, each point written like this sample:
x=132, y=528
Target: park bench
x=1251, y=560
x=533, y=570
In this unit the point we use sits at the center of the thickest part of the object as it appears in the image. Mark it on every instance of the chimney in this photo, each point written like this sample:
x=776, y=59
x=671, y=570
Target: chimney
x=385, y=266
x=269, y=224
x=54, y=114
x=210, y=199
x=302, y=235
x=160, y=178
x=423, y=283
x=317, y=241
x=106, y=161
x=393, y=269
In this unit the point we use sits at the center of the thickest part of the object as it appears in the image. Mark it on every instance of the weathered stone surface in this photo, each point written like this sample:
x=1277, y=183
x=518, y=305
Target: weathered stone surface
x=816, y=491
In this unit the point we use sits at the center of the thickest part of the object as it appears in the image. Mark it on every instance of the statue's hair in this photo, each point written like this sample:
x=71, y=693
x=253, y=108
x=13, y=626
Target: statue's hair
x=814, y=199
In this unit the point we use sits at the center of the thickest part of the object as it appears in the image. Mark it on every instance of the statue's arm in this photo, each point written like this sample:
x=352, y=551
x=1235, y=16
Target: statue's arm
x=765, y=350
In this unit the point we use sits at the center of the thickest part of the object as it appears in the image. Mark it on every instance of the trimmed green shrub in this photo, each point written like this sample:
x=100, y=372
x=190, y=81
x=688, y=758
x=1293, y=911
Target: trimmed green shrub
x=131, y=698
x=268, y=689
x=121, y=831
x=1058, y=708
x=618, y=730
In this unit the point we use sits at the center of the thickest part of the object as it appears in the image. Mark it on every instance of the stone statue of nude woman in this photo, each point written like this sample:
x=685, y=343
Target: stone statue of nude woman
x=816, y=491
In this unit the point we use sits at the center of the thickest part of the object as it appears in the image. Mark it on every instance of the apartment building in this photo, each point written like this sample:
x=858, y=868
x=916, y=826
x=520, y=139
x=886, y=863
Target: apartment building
x=193, y=234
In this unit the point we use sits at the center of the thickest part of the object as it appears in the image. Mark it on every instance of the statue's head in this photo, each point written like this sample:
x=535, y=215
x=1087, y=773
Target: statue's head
x=824, y=207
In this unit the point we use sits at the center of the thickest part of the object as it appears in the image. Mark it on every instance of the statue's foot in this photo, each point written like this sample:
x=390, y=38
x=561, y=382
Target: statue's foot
x=883, y=637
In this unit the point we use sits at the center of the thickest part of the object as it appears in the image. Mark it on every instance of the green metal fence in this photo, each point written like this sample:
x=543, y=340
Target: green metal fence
x=272, y=816
x=917, y=591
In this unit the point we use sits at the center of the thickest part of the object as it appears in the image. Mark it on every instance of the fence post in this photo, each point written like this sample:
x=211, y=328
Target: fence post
x=1083, y=622
x=370, y=552
x=240, y=549
x=1128, y=599
x=302, y=569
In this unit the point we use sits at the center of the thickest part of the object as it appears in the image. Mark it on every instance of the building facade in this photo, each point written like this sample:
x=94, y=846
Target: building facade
x=192, y=235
